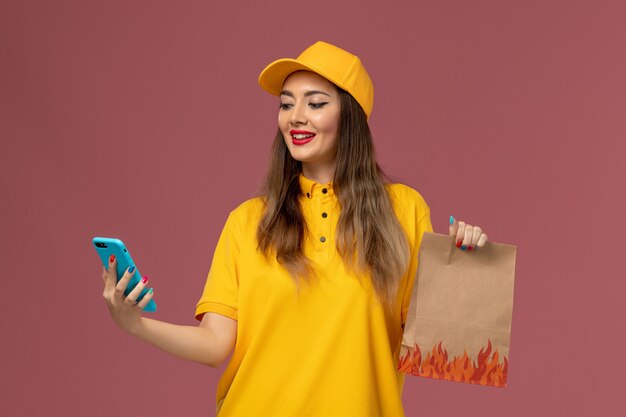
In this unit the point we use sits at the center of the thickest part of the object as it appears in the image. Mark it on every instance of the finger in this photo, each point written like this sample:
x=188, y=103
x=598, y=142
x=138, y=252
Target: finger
x=482, y=240
x=134, y=294
x=111, y=276
x=453, y=226
x=460, y=234
x=146, y=299
x=467, y=237
x=475, y=236
x=123, y=283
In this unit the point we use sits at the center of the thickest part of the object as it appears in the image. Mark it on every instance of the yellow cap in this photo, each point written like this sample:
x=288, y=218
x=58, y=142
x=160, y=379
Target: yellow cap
x=340, y=67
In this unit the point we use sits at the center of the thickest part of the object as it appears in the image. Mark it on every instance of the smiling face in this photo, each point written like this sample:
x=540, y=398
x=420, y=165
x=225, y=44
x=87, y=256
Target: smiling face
x=308, y=118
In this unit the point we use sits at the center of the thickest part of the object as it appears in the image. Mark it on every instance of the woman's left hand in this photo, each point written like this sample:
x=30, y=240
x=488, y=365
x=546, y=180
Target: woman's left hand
x=466, y=236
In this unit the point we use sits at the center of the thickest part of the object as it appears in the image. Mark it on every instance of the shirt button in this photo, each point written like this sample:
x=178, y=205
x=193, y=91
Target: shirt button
x=324, y=190
x=324, y=215
x=322, y=239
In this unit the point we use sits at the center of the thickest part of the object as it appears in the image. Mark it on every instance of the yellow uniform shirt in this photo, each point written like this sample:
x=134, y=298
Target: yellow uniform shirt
x=327, y=350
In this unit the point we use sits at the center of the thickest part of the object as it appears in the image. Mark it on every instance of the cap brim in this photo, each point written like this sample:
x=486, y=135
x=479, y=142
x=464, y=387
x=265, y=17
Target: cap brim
x=273, y=76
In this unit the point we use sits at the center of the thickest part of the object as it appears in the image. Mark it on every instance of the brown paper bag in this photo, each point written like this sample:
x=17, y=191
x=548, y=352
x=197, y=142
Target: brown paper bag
x=459, y=321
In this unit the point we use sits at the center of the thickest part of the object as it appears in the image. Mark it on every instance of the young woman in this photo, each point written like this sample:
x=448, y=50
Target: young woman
x=310, y=283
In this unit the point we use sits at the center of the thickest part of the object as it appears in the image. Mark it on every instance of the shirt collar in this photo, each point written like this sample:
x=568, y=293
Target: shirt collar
x=310, y=188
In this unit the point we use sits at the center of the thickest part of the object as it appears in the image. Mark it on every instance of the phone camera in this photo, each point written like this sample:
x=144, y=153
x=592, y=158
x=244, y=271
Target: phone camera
x=101, y=245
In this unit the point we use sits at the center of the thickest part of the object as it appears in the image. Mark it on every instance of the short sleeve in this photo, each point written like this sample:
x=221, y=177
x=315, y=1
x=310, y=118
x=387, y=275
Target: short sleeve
x=422, y=224
x=221, y=291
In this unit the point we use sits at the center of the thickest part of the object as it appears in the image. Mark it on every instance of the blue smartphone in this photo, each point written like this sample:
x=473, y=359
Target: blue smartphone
x=106, y=246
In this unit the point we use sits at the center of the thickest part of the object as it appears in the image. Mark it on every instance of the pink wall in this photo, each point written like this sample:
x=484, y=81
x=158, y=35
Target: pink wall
x=143, y=120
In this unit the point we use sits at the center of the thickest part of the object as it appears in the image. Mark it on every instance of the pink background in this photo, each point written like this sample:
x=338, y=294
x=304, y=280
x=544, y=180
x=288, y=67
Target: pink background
x=143, y=120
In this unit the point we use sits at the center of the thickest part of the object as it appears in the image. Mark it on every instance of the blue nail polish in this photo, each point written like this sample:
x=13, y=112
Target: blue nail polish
x=463, y=247
x=451, y=220
x=131, y=269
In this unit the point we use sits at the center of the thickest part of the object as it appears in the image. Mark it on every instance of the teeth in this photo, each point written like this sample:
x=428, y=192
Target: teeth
x=302, y=136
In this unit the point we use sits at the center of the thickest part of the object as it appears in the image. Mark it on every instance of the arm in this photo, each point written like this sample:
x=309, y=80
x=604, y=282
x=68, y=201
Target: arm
x=209, y=343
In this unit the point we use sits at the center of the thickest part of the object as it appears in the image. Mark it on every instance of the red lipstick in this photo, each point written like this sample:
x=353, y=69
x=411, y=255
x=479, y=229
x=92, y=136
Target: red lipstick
x=303, y=137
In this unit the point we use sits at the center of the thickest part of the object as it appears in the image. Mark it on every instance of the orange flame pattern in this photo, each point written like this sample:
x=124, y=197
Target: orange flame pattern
x=484, y=371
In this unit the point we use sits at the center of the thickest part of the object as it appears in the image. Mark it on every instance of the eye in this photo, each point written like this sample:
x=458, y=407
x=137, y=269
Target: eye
x=318, y=105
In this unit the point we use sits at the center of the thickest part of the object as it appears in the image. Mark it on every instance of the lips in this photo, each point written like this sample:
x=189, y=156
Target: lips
x=301, y=137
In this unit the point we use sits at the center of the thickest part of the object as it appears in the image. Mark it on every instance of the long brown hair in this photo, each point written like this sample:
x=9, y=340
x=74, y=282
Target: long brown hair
x=369, y=236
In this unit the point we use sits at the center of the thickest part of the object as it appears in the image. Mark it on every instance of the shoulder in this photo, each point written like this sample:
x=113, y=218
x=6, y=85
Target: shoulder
x=248, y=214
x=249, y=207
x=407, y=202
x=404, y=195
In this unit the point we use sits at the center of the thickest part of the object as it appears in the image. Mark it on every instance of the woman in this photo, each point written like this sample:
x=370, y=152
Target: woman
x=310, y=283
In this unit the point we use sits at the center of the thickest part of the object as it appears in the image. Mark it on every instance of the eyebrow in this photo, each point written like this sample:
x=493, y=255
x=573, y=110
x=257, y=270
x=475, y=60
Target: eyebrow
x=307, y=94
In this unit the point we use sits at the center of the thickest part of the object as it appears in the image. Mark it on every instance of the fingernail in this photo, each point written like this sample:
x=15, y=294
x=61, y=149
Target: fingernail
x=458, y=244
x=144, y=280
x=150, y=291
x=451, y=220
x=112, y=259
x=131, y=269
x=470, y=248
x=463, y=247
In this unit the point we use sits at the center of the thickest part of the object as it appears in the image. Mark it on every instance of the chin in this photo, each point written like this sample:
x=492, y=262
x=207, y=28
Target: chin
x=300, y=158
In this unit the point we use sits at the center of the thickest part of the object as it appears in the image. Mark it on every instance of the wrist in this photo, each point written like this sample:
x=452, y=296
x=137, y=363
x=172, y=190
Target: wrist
x=137, y=328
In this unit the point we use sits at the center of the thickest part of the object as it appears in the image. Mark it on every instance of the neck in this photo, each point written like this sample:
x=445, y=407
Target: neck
x=320, y=173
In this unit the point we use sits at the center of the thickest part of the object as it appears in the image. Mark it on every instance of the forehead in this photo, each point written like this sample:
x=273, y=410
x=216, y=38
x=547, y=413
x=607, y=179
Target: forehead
x=307, y=81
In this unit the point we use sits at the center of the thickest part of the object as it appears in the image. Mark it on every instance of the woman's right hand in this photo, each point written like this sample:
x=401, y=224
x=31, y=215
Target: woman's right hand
x=125, y=310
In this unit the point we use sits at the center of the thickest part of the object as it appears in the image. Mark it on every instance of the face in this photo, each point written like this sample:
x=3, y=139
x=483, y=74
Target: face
x=309, y=120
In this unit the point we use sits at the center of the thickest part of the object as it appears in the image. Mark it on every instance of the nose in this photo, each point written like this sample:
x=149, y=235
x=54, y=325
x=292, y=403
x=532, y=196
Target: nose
x=298, y=114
